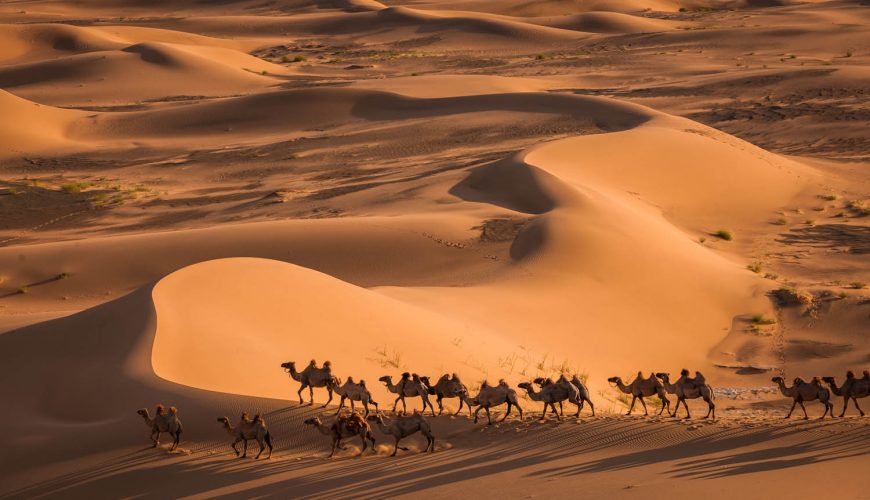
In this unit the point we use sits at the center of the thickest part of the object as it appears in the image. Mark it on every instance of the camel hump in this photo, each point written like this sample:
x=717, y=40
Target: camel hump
x=502, y=382
x=456, y=377
x=866, y=374
x=258, y=417
x=173, y=410
x=350, y=380
x=160, y=409
x=851, y=374
x=362, y=383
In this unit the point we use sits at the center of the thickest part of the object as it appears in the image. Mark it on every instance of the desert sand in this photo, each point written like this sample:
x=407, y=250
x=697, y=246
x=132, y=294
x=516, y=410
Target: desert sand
x=192, y=193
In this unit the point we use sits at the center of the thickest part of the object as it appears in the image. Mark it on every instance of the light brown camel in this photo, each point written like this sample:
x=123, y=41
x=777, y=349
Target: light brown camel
x=403, y=426
x=355, y=392
x=689, y=388
x=408, y=386
x=447, y=388
x=312, y=377
x=344, y=427
x=490, y=396
x=249, y=429
x=552, y=393
x=853, y=388
x=802, y=391
x=641, y=388
x=163, y=422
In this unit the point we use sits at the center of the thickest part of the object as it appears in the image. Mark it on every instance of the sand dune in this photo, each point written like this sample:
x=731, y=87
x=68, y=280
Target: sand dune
x=192, y=193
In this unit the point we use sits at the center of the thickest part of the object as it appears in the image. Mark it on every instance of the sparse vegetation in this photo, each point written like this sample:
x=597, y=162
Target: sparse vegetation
x=75, y=187
x=702, y=239
x=858, y=285
x=828, y=197
x=780, y=222
x=300, y=58
x=62, y=276
x=760, y=319
x=723, y=234
x=22, y=289
x=755, y=268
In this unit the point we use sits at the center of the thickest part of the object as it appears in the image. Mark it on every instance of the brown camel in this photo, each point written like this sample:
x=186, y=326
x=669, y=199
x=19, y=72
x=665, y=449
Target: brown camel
x=689, y=388
x=355, y=392
x=641, y=388
x=343, y=427
x=163, y=422
x=801, y=391
x=249, y=429
x=312, y=377
x=490, y=396
x=404, y=426
x=853, y=388
x=447, y=388
x=408, y=386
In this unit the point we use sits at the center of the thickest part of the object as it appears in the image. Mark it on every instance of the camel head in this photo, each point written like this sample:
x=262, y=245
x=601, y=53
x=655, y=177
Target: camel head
x=525, y=385
x=376, y=417
x=829, y=380
x=290, y=365
x=684, y=373
x=224, y=420
x=615, y=380
x=663, y=375
x=312, y=421
x=386, y=379
x=777, y=380
x=143, y=412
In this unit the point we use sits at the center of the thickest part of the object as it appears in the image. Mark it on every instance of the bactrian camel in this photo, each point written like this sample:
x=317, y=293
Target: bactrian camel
x=689, y=388
x=163, y=422
x=404, y=426
x=312, y=377
x=641, y=388
x=408, y=386
x=355, y=392
x=550, y=394
x=344, y=427
x=853, y=388
x=249, y=429
x=802, y=391
x=447, y=388
x=490, y=396
x=568, y=386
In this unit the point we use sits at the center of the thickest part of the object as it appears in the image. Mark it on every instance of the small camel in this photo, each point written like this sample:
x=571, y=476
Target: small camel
x=641, y=388
x=688, y=388
x=801, y=391
x=566, y=386
x=550, y=394
x=312, y=377
x=249, y=429
x=355, y=392
x=408, y=386
x=163, y=422
x=490, y=396
x=344, y=427
x=853, y=388
x=404, y=426
x=447, y=388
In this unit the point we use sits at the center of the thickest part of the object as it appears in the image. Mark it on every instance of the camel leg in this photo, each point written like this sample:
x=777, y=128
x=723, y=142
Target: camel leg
x=631, y=408
x=488, y=417
x=666, y=403
x=395, y=448
x=262, y=447
x=371, y=438
x=792, y=409
x=508, y=412
x=643, y=403
x=519, y=409
x=845, y=405
x=476, y=412
x=543, y=414
x=362, y=437
x=299, y=392
x=440, y=405
x=329, y=399
x=245, y=452
x=341, y=405
x=855, y=400
x=177, y=440
x=336, y=442
x=561, y=409
x=461, y=402
x=405, y=408
x=310, y=395
x=155, y=439
x=804, y=408
x=430, y=445
x=591, y=406
x=396, y=402
x=579, y=407
x=352, y=408
x=686, y=406
x=426, y=401
x=710, y=408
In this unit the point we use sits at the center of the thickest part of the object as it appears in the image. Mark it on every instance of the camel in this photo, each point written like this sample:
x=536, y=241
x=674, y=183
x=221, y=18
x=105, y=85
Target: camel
x=688, y=388
x=312, y=377
x=582, y=391
x=404, y=426
x=355, y=392
x=163, y=422
x=409, y=386
x=853, y=388
x=249, y=429
x=801, y=391
x=446, y=388
x=641, y=388
x=344, y=427
x=490, y=396
x=552, y=393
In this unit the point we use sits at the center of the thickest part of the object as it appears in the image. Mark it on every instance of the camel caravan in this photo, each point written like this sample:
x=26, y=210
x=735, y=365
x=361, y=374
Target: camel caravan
x=449, y=386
